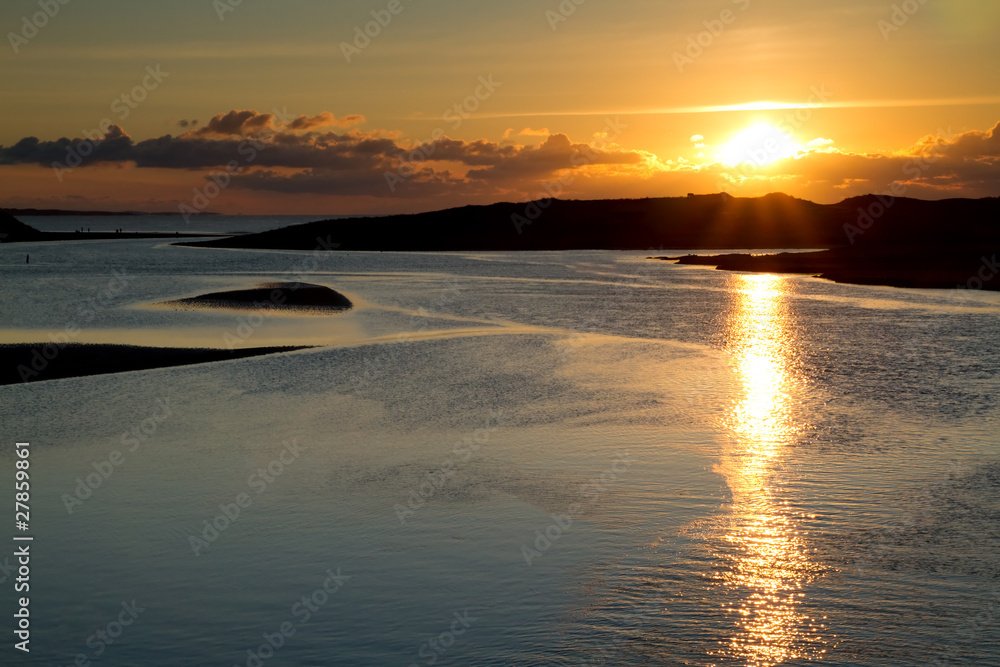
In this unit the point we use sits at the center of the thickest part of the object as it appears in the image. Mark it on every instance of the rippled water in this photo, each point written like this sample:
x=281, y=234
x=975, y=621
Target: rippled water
x=591, y=458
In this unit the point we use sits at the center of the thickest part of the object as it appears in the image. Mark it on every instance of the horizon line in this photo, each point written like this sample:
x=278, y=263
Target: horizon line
x=9, y=209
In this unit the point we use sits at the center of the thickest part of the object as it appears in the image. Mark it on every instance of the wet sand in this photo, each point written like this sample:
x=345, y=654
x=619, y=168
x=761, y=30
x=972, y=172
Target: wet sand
x=37, y=362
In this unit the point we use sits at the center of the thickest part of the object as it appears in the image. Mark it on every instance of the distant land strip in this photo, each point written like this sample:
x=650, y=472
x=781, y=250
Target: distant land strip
x=948, y=268
x=696, y=222
x=873, y=239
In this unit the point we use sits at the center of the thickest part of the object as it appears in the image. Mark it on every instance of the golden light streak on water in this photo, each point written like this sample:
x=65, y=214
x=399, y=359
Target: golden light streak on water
x=765, y=557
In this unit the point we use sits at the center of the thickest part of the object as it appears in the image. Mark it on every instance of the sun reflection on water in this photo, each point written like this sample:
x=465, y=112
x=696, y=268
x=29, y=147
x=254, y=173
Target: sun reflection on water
x=766, y=560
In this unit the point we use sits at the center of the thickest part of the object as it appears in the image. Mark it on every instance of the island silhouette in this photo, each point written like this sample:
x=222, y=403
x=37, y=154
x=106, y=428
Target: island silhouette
x=294, y=296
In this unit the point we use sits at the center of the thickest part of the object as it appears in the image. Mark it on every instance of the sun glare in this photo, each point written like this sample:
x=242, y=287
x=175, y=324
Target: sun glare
x=760, y=144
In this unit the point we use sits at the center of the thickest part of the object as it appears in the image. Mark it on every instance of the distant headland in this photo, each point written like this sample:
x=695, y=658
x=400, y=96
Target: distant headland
x=697, y=222
x=13, y=230
x=872, y=239
x=903, y=266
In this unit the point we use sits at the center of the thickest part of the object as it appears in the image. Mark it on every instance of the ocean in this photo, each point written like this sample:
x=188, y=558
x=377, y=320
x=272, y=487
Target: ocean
x=548, y=458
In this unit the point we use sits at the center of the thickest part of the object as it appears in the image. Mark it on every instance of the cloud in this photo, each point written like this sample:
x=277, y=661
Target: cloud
x=251, y=122
x=184, y=124
x=969, y=145
x=354, y=182
x=528, y=132
x=317, y=155
x=325, y=119
x=235, y=122
x=114, y=147
x=449, y=166
x=936, y=166
x=819, y=142
x=555, y=154
x=193, y=150
x=300, y=157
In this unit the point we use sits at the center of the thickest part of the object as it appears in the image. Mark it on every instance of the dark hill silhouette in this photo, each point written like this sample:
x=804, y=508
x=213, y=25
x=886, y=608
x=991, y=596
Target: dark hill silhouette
x=707, y=221
x=698, y=222
x=900, y=242
x=874, y=239
x=12, y=229
x=945, y=267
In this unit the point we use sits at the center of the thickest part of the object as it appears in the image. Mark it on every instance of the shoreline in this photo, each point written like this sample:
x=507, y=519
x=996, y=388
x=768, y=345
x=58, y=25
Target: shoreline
x=21, y=363
x=105, y=236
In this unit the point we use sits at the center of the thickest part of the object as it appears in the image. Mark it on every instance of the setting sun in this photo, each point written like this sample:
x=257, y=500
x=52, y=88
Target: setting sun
x=760, y=144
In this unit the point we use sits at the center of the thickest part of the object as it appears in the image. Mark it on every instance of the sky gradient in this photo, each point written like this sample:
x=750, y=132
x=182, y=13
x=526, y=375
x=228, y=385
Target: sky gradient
x=281, y=107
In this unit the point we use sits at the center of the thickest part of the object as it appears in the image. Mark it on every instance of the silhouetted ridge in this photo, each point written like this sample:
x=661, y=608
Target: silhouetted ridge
x=700, y=221
x=696, y=221
x=12, y=229
x=900, y=242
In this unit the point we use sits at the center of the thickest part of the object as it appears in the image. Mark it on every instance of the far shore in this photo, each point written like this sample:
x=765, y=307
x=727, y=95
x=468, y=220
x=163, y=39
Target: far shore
x=948, y=243
x=107, y=236
x=941, y=268
x=13, y=230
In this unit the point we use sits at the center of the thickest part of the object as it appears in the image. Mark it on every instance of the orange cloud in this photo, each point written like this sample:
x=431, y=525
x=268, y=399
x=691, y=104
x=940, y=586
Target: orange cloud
x=325, y=119
x=235, y=122
x=299, y=158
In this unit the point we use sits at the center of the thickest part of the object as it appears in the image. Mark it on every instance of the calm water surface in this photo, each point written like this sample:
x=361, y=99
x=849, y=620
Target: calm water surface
x=578, y=458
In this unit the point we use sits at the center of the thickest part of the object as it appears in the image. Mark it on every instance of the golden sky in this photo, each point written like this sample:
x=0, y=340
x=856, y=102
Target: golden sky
x=290, y=107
